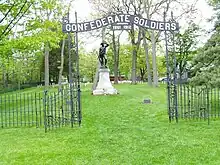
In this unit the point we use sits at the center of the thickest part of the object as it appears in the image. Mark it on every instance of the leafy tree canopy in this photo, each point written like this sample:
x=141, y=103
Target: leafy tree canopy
x=206, y=67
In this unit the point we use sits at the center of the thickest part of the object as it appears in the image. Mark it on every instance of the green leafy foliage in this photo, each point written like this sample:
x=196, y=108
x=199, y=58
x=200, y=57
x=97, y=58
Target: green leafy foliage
x=55, y=62
x=125, y=61
x=185, y=46
x=88, y=64
x=185, y=49
x=206, y=63
x=22, y=50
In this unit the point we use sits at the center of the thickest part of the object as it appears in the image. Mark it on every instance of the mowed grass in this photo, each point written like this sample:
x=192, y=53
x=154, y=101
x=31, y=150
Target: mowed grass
x=117, y=130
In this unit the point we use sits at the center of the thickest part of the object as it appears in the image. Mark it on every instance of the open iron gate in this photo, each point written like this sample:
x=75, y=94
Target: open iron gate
x=61, y=108
x=186, y=101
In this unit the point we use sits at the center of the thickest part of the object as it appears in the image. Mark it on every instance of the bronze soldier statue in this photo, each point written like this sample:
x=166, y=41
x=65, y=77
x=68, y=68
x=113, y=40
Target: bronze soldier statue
x=102, y=54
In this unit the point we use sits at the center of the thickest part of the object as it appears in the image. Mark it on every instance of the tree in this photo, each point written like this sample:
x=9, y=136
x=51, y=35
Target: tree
x=153, y=8
x=185, y=47
x=206, y=63
x=125, y=59
x=143, y=8
x=35, y=35
x=112, y=7
x=116, y=50
x=147, y=58
x=61, y=67
x=88, y=65
x=21, y=59
x=49, y=10
x=113, y=38
x=142, y=63
x=61, y=63
x=135, y=8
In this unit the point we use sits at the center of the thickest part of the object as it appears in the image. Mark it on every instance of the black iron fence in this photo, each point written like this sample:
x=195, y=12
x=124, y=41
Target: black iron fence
x=21, y=109
x=49, y=109
x=196, y=103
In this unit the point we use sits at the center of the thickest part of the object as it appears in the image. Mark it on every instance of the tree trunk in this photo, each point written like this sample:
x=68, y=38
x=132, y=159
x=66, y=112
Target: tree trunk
x=142, y=71
x=40, y=77
x=154, y=62
x=7, y=79
x=118, y=52
x=134, y=65
x=61, y=64
x=149, y=80
x=135, y=48
x=47, y=49
x=47, y=80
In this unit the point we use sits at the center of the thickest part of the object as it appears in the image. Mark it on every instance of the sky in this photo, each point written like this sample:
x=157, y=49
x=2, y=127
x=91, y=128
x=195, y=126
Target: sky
x=83, y=9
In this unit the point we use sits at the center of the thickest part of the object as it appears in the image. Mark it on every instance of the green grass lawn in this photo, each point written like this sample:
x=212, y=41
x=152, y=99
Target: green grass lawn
x=116, y=130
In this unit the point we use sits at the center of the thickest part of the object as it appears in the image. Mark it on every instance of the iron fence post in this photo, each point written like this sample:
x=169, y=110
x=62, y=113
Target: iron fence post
x=45, y=109
x=79, y=114
x=70, y=77
x=168, y=70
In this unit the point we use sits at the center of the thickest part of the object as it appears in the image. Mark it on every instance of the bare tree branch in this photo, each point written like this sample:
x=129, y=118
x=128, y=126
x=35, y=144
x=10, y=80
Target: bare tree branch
x=3, y=33
x=18, y=20
x=7, y=13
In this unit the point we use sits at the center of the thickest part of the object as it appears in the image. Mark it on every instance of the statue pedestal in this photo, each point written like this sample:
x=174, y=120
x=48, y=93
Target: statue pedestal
x=104, y=86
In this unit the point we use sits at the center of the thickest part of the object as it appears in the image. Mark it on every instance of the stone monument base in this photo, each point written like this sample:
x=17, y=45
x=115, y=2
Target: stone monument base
x=104, y=86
